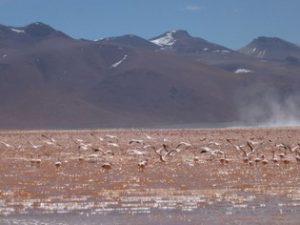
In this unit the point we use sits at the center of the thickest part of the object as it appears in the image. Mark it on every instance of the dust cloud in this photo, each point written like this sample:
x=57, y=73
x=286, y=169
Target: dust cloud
x=268, y=107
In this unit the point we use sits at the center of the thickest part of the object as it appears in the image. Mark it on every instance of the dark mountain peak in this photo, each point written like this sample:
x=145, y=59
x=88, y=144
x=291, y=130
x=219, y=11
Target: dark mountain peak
x=129, y=40
x=129, y=37
x=39, y=29
x=39, y=24
x=16, y=37
x=34, y=30
x=265, y=39
x=271, y=48
x=272, y=41
x=178, y=34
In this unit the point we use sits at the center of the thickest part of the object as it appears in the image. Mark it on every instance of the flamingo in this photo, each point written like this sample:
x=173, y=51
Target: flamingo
x=99, y=138
x=224, y=160
x=142, y=165
x=115, y=145
x=97, y=149
x=186, y=144
x=136, y=141
x=52, y=140
x=212, y=152
x=106, y=166
x=36, y=161
x=298, y=158
x=149, y=137
x=6, y=144
x=58, y=164
x=274, y=158
x=264, y=160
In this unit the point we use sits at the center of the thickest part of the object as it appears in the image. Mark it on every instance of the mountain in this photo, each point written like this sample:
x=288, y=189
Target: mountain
x=50, y=80
x=130, y=40
x=60, y=82
x=272, y=48
x=182, y=42
x=16, y=37
x=204, y=52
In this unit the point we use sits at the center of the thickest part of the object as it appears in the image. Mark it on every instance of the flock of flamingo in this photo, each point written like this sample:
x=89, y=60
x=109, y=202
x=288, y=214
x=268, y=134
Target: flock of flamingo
x=251, y=152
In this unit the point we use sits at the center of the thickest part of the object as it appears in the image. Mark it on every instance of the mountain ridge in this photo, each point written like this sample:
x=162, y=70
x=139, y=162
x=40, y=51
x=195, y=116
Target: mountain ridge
x=179, y=33
x=52, y=80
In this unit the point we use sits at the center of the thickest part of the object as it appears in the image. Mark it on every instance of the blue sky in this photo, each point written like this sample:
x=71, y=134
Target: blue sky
x=232, y=23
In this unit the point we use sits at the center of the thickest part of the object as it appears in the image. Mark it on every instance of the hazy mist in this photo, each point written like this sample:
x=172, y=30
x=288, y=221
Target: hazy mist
x=269, y=107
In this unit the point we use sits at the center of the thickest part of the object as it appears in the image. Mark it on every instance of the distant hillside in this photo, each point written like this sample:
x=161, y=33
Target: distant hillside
x=50, y=80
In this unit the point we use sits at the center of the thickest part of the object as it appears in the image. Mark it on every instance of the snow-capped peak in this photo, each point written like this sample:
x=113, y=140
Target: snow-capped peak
x=169, y=38
x=166, y=40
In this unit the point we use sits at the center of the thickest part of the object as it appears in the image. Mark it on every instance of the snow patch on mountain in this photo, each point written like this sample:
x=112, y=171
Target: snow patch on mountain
x=222, y=51
x=167, y=40
x=99, y=39
x=261, y=54
x=243, y=70
x=115, y=65
x=225, y=51
x=19, y=31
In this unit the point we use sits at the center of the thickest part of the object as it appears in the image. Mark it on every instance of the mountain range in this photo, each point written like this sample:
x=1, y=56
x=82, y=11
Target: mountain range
x=51, y=80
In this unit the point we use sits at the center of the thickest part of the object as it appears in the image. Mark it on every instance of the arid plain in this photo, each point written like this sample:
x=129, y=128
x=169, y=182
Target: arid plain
x=189, y=176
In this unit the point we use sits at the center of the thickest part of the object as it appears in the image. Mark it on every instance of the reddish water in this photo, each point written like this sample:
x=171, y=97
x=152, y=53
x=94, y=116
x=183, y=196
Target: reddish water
x=188, y=187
